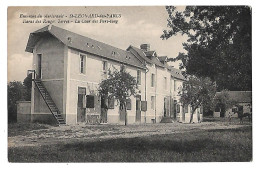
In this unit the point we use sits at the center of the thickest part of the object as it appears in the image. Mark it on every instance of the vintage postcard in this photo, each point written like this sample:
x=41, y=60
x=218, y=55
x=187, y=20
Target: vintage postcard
x=129, y=84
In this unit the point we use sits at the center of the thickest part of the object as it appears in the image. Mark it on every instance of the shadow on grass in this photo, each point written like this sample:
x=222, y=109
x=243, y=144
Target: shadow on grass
x=233, y=130
x=197, y=146
x=139, y=145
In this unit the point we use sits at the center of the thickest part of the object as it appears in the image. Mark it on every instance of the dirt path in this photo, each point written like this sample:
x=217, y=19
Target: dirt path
x=82, y=132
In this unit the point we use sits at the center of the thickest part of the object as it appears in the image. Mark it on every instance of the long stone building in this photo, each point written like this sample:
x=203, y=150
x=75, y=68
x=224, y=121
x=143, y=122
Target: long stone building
x=68, y=67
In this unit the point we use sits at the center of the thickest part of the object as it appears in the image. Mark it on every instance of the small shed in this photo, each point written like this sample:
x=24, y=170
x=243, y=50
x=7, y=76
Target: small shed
x=243, y=98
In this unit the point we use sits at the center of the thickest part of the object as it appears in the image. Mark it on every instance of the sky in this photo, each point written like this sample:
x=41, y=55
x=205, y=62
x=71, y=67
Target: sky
x=137, y=25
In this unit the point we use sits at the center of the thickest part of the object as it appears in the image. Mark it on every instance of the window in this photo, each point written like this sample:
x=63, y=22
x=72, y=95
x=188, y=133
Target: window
x=175, y=85
x=128, y=104
x=82, y=64
x=104, y=69
x=186, y=110
x=178, y=108
x=152, y=80
x=104, y=66
x=111, y=103
x=217, y=109
x=165, y=83
x=138, y=77
x=90, y=101
x=152, y=102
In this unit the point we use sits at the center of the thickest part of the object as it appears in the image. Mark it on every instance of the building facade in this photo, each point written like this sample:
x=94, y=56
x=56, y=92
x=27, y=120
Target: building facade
x=243, y=99
x=69, y=67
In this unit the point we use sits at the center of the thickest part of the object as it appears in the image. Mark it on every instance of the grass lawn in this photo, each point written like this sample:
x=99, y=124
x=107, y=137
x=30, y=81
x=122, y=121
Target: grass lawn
x=195, y=146
x=15, y=129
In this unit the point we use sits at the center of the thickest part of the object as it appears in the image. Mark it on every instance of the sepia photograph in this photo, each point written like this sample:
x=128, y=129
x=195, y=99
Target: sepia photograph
x=129, y=84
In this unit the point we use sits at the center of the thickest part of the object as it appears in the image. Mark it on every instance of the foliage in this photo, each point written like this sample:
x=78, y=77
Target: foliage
x=224, y=101
x=16, y=92
x=120, y=85
x=198, y=92
x=219, y=43
x=27, y=82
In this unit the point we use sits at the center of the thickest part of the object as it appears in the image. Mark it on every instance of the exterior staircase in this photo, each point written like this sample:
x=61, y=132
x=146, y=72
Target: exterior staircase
x=49, y=102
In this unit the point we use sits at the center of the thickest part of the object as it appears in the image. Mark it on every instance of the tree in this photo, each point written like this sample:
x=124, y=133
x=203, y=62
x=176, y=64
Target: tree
x=224, y=101
x=198, y=92
x=16, y=92
x=120, y=85
x=219, y=44
x=27, y=82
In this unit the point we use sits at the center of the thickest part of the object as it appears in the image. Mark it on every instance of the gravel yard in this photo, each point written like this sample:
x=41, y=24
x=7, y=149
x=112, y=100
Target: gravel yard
x=40, y=134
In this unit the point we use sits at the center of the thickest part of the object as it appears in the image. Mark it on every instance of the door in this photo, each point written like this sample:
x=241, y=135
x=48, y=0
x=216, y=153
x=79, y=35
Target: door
x=174, y=107
x=183, y=114
x=138, y=108
x=165, y=107
x=39, y=66
x=81, y=108
x=104, y=108
x=198, y=114
x=122, y=113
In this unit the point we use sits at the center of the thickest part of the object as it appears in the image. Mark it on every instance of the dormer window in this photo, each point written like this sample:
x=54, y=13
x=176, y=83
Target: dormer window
x=113, y=53
x=87, y=44
x=92, y=46
x=69, y=39
x=127, y=57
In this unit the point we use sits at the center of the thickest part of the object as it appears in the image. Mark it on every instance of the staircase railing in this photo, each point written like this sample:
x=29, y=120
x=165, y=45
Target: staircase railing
x=45, y=95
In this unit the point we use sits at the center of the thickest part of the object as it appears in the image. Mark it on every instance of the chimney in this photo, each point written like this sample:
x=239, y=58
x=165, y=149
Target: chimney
x=145, y=47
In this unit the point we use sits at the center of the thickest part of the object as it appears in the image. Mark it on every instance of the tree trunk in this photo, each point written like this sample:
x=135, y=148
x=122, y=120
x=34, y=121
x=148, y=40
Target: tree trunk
x=191, y=116
x=124, y=105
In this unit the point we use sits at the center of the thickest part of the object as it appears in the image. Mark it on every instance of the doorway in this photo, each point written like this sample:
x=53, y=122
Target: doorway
x=138, y=108
x=81, y=108
x=39, y=66
x=104, y=108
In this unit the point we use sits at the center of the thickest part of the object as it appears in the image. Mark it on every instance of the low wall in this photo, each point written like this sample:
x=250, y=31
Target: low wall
x=43, y=118
x=23, y=111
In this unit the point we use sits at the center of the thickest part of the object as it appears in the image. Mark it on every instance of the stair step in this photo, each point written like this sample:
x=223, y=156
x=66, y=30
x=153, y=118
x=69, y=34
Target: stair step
x=52, y=106
x=60, y=119
x=51, y=103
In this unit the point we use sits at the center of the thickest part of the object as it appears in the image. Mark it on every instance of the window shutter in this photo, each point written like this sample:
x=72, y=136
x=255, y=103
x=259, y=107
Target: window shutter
x=178, y=108
x=90, y=101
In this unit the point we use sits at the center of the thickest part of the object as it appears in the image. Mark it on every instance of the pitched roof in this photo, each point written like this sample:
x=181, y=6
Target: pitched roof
x=176, y=73
x=85, y=44
x=140, y=53
x=240, y=96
